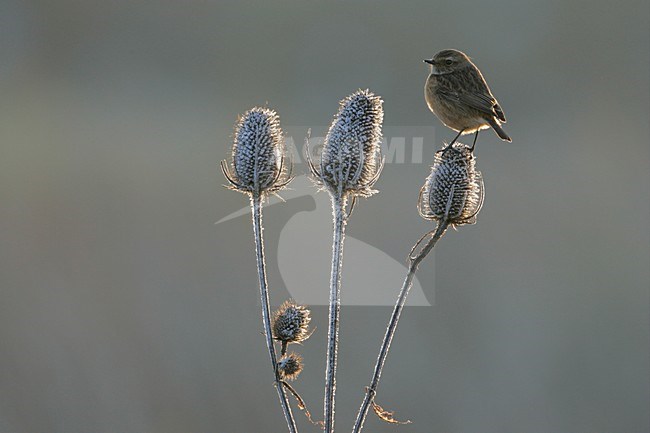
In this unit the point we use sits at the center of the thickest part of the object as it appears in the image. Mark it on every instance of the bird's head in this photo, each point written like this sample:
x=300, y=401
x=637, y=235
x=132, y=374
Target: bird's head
x=448, y=61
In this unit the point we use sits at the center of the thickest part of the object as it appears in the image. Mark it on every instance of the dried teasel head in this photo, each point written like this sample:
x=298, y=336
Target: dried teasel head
x=258, y=154
x=290, y=323
x=351, y=157
x=290, y=366
x=454, y=191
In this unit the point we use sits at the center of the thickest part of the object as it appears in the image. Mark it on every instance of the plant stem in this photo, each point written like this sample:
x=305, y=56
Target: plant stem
x=256, y=205
x=338, y=207
x=414, y=262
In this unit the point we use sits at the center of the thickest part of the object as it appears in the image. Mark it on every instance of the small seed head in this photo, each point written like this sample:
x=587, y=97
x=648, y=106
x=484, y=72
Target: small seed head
x=351, y=158
x=290, y=366
x=454, y=190
x=291, y=323
x=258, y=154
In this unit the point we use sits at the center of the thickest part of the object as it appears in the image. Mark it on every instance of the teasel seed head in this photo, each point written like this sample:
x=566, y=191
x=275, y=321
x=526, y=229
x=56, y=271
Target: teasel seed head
x=290, y=323
x=351, y=158
x=258, y=154
x=454, y=191
x=290, y=366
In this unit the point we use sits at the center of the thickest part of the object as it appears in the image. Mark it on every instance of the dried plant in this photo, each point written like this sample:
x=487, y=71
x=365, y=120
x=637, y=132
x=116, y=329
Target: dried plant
x=290, y=366
x=349, y=167
x=351, y=159
x=290, y=324
x=454, y=189
x=258, y=169
x=350, y=164
x=258, y=154
x=451, y=195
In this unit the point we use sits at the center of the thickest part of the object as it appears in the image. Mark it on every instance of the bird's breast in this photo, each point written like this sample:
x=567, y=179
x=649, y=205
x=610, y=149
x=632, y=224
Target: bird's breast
x=430, y=92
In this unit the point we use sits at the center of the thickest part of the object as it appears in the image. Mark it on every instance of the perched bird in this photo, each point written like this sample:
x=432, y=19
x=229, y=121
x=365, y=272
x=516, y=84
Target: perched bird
x=457, y=93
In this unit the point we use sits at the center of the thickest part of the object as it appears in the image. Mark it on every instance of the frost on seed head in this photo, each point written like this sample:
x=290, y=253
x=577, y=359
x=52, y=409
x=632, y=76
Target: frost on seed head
x=351, y=157
x=258, y=154
x=290, y=366
x=290, y=323
x=454, y=190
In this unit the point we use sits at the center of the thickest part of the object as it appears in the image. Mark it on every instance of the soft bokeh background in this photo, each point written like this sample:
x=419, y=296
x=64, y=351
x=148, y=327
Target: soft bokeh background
x=124, y=308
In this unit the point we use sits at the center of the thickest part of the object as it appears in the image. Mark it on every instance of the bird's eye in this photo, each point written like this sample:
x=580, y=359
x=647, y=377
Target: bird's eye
x=448, y=62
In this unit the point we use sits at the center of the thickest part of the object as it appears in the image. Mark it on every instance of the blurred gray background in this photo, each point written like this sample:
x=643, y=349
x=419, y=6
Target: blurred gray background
x=124, y=308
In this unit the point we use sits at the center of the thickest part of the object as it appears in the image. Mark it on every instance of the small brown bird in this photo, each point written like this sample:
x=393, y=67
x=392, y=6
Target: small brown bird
x=457, y=93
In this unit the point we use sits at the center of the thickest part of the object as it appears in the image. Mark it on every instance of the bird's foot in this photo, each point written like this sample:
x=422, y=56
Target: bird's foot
x=449, y=147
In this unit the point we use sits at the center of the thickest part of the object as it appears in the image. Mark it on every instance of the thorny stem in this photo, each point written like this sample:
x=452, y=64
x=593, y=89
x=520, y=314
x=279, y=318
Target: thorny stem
x=414, y=260
x=340, y=219
x=256, y=205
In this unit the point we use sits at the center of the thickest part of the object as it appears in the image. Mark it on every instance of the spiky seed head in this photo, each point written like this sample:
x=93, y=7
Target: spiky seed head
x=291, y=323
x=351, y=157
x=258, y=154
x=290, y=366
x=454, y=190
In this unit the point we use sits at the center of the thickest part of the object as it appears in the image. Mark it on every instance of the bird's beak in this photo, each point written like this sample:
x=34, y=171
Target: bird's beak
x=429, y=61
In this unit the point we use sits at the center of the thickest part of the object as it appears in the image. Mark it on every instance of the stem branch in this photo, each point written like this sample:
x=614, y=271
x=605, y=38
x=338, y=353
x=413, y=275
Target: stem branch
x=414, y=260
x=256, y=204
x=338, y=207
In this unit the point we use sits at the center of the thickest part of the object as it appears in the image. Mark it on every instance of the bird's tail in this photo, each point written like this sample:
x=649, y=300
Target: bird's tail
x=498, y=129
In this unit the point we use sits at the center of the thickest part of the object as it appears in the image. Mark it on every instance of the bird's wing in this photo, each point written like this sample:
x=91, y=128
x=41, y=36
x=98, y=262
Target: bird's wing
x=499, y=112
x=482, y=102
x=480, y=97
